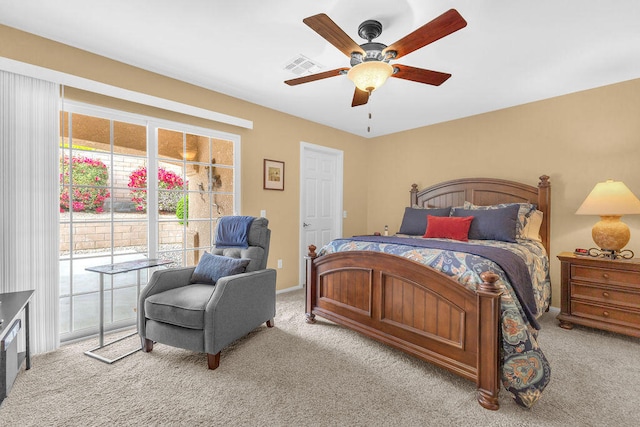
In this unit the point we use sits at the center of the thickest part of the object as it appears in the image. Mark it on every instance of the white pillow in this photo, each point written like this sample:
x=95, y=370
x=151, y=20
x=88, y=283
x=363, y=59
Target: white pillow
x=531, y=229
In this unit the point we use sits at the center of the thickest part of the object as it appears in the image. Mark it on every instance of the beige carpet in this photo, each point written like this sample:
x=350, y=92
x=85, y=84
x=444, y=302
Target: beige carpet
x=297, y=374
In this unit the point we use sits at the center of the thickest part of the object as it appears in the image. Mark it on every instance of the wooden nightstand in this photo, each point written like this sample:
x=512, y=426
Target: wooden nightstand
x=600, y=293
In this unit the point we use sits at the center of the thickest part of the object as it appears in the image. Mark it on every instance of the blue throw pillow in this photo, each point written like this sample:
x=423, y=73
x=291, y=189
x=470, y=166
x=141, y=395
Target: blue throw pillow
x=212, y=267
x=414, y=221
x=491, y=224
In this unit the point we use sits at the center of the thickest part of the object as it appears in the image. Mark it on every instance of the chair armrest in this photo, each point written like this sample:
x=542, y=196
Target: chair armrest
x=239, y=304
x=163, y=280
x=243, y=289
x=170, y=278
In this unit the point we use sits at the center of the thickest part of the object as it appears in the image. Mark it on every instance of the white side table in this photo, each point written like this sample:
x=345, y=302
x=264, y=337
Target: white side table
x=111, y=269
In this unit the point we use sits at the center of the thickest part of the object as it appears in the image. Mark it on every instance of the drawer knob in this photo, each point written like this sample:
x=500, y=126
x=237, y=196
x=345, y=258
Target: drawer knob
x=605, y=294
x=605, y=313
x=605, y=275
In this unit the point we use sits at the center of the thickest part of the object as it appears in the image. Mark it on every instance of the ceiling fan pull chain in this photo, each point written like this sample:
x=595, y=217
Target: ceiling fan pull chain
x=370, y=106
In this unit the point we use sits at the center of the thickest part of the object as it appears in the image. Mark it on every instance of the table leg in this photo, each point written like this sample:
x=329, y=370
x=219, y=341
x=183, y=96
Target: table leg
x=27, y=349
x=101, y=309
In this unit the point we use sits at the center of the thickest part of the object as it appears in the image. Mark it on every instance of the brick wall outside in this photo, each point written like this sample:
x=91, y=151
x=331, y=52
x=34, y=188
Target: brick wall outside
x=119, y=175
x=97, y=235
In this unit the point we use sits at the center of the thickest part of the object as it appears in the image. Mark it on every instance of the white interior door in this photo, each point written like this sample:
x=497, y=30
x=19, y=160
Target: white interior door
x=320, y=198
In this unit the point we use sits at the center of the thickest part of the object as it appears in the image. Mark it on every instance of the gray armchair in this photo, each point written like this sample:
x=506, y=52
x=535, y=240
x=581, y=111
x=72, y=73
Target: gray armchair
x=207, y=318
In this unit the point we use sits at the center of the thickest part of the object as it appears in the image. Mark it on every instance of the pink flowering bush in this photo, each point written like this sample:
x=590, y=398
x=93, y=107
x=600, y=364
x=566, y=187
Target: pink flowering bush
x=88, y=173
x=167, y=180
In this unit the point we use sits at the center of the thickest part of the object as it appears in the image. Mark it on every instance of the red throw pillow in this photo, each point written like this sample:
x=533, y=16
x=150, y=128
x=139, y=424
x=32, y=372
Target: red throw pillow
x=446, y=227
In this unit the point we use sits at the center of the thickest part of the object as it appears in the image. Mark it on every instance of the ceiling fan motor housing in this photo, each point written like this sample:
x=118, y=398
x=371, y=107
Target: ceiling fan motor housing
x=370, y=30
x=373, y=52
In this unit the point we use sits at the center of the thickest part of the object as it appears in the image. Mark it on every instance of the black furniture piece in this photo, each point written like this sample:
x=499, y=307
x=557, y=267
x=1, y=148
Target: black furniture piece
x=11, y=305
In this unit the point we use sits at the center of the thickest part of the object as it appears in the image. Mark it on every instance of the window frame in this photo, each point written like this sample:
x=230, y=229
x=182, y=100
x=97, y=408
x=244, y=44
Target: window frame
x=152, y=125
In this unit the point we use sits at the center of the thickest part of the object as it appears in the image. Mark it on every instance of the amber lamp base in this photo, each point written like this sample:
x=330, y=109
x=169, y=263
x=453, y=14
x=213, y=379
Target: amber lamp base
x=610, y=233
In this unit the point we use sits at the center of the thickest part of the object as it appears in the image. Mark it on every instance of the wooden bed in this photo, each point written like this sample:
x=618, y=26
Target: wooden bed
x=385, y=296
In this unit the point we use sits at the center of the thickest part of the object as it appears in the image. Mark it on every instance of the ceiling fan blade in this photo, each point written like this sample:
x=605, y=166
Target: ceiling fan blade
x=360, y=97
x=314, y=77
x=420, y=75
x=445, y=24
x=330, y=31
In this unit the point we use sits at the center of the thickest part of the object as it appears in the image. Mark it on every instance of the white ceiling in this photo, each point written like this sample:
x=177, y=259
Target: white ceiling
x=511, y=52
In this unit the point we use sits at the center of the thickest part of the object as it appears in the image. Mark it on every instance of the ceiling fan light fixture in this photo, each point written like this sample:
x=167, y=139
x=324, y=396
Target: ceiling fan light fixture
x=370, y=75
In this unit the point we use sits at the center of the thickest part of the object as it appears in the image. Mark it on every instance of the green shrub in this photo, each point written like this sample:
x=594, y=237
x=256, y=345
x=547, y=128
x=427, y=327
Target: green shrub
x=86, y=172
x=182, y=210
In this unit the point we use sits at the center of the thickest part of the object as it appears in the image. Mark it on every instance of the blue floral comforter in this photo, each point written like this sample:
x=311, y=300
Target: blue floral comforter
x=525, y=369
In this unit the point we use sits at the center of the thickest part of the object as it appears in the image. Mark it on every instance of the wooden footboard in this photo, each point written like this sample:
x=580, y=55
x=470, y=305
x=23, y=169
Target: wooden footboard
x=413, y=308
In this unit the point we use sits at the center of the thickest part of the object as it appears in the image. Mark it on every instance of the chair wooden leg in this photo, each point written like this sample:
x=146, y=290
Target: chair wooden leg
x=213, y=360
x=270, y=323
x=147, y=345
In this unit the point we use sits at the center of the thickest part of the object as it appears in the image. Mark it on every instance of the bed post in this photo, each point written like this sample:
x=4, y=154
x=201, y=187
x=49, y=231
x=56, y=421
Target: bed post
x=489, y=341
x=413, y=195
x=544, y=203
x=310, y=286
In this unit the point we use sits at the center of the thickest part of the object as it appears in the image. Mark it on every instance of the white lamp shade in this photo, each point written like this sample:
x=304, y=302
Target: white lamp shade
x=610, y=198
x=369, y=76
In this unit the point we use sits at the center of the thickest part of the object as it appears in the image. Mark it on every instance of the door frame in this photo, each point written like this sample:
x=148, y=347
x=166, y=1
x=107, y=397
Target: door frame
x=337, y=197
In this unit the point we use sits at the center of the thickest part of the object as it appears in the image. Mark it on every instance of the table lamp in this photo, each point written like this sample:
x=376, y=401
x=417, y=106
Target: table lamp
x=610, y=200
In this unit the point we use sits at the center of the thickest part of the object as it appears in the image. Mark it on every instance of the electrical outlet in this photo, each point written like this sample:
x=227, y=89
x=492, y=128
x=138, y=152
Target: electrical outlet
x=279, y=263
x=344, y=214
x=263, y=213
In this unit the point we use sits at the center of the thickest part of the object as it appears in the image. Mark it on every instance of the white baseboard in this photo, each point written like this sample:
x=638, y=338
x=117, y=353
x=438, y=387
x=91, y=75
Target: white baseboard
x=291, y=289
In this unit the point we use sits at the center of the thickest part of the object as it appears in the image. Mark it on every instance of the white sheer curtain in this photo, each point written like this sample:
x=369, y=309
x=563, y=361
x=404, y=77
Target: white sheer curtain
x=29, y=200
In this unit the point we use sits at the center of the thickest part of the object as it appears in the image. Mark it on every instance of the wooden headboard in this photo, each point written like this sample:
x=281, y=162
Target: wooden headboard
x=488, y=191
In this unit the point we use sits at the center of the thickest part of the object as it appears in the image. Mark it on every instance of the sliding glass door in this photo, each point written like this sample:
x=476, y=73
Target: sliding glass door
x=132, y=187
x=199, y=181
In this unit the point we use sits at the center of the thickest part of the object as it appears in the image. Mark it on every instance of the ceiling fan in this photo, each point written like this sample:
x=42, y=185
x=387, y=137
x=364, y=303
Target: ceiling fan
x=370, y=66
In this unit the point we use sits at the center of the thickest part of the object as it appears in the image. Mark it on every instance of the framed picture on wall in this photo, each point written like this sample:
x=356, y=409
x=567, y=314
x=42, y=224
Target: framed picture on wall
x=273, y=175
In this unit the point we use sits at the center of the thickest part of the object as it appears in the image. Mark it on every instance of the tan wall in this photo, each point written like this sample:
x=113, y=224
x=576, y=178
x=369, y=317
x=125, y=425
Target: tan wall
x=578, y=140
x=274, y=136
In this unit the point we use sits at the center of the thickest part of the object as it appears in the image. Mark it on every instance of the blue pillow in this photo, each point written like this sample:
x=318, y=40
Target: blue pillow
x=491, y=224
x=212, y=267
x=414, y=221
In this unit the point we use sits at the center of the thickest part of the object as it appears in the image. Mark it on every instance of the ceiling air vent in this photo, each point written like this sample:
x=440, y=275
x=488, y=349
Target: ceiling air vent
x=301, y=65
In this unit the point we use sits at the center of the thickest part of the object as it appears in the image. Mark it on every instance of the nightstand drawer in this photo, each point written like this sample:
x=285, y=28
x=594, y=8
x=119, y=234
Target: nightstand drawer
x=600, y=293
x=605, y=295
x=604, y=275
x=607, y=314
